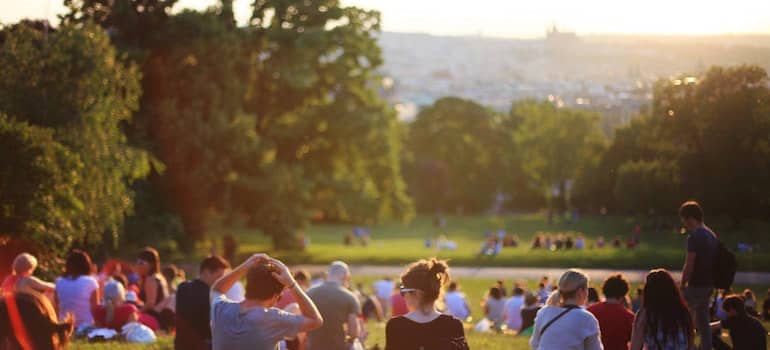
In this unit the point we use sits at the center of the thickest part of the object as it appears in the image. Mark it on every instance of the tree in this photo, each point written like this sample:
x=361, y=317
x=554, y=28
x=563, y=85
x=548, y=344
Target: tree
x=456, y=158
x=556, y=145
x=38, y=193
x=72, y=82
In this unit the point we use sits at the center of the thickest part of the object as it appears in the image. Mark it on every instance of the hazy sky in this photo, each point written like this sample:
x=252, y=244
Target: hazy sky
x=516, y=18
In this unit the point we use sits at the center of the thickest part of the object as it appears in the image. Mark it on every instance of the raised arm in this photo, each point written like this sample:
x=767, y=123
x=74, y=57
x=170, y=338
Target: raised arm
x=224, y=283
x=312, y=316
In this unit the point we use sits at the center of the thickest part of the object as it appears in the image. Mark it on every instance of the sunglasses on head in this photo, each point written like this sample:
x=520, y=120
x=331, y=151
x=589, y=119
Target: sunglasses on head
x=404, y=291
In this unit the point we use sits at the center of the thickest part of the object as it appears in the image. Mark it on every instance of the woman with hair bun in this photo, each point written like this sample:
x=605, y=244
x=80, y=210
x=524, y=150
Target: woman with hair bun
x=424, y=327
x=564, y=323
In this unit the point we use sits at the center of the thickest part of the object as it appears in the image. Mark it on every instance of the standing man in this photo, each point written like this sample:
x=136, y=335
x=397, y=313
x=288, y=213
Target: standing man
x=339, y=309
x=698, y=272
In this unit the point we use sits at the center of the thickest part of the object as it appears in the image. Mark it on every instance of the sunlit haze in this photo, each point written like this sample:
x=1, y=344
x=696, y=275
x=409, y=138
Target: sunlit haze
x=505, y=18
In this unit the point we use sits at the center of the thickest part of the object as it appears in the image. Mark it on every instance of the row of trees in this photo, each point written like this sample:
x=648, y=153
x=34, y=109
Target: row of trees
x=705, y=137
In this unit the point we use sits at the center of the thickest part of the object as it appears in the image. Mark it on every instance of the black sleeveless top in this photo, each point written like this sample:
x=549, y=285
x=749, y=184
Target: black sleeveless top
x=443, y=333
x=160, y=295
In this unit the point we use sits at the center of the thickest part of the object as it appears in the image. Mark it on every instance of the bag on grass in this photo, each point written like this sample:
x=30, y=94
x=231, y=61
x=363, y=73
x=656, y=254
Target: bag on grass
x=135, y=332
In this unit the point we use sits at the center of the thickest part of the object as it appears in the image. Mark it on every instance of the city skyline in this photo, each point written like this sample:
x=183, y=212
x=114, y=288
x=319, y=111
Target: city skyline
x=511, y=19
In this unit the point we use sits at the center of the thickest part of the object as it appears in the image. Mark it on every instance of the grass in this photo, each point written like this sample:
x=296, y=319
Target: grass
x=397, y=243
x=475, y=290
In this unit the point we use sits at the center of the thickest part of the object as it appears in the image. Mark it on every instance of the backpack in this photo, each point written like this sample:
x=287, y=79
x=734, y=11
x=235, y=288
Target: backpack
x=725, y=265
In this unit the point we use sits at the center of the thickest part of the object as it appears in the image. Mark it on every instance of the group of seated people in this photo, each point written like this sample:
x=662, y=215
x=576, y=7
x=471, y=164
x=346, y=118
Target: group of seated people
x=495, y=242
x=424, y=309
x=558, y=241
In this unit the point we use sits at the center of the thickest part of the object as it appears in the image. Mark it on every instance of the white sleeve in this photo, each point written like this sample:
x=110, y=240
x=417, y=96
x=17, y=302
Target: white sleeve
x=236, y=293
x=593, y=342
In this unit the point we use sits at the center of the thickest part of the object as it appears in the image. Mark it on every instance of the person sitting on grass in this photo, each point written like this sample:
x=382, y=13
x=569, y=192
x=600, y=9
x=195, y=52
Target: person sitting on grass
x=24, y=266
x=424, y=327
x=563, y=323
x=528, y=313
x=494, y=307
x=77, y=292
x=746, y=332
x=751, y=302
x=115, y=312
x=615, y=320
x=255, y=323
x=512, y=313
x=28, y=321
x=456, y=304
x=664, y=321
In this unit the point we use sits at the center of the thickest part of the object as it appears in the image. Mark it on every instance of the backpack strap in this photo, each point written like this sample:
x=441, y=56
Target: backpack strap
x=17, y=324
x=569, y=308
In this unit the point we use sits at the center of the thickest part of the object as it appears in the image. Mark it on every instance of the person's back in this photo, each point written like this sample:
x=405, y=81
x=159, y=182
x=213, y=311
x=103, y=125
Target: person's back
x=746, y=332
x=74, y=296
x=335, y=304
x=513, y=311
x=258, y=328
x=193, y=316
x=444, y=332
x=616, y=322
x=456, y=304
x=703, y=242
x=568, y=332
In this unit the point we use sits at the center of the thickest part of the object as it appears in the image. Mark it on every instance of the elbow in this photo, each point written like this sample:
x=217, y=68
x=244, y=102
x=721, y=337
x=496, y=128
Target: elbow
x=316, y=323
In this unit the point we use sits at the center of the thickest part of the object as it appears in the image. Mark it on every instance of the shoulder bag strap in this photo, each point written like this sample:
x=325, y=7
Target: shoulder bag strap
x=569, y=308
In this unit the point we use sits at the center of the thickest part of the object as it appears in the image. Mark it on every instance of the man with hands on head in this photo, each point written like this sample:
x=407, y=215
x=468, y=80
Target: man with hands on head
x=256, y=323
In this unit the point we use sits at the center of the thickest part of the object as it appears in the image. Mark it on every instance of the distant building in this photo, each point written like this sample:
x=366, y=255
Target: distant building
x=555, y=36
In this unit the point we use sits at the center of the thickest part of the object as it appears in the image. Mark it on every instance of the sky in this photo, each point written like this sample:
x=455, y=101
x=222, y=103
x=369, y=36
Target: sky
x=514, y=18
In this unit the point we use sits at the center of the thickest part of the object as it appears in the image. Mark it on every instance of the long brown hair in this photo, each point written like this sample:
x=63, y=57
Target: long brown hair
x=665, y=307
x=44, y=330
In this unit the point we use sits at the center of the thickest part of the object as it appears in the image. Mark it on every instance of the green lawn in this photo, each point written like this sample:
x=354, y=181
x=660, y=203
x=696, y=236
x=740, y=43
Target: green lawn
x=397, y=243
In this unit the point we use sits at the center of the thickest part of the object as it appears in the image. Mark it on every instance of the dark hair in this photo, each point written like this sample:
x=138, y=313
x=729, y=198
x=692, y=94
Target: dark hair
x=78, y=264
x=452, y=286
x=518, y=291
x=735, y=302
x=593, y=295
x=212, y=263
x=150, y=255
x=691, y=209
x=615, y=286
x=301, y=276
x=427, y=276
x=170, y=272
x=495, y=292
x=44, y=330
x=260, y=283
x=665, y=308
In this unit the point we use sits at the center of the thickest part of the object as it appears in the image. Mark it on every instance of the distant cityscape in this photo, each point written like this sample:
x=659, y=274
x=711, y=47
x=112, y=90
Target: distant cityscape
x=612, y=74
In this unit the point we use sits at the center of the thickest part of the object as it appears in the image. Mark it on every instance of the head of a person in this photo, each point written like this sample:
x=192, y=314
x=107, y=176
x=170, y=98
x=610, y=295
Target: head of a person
x=422, y=282
x=261, y=285
x=170, y=273
x=748, y=294
x=593, y=295
x=615, y=287
x=734, y=305
x=303, y=278
x=114, y=293
x=339, y=272
x=530, y=299
x=452, y=286
x=212, y=268
x=44, y=330
x=665, y=308
x=691, y=214
x=148, y=262
x=24, y=264
x=518, y=291
x=572, y=289
x=78, y=264
x=495, y=292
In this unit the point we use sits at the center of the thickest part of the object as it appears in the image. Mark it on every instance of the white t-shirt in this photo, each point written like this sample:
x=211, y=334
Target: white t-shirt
x=236, y=293
x=74, y=297
x=384, y=288
x=455, y=305
x=576, y=330
x=513, y=312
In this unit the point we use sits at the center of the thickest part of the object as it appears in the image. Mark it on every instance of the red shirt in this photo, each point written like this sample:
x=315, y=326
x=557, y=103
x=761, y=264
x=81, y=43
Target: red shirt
x=399, y=305
x=119, y=318
x=615, y=323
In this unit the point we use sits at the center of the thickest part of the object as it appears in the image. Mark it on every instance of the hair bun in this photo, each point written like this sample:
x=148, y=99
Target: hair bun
x=438, y=266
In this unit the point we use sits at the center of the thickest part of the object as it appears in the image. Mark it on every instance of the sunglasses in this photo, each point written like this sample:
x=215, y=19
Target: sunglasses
x=404, y=291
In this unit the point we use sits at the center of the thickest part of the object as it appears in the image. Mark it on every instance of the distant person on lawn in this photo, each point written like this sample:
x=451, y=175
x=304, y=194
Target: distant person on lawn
x=563, y=323
x=193, y=316
x=513, y=308
x=424, y=327
x=255, y=323
x=340, y=309
x=456, y=304
x=698, y=272
x=616, y=321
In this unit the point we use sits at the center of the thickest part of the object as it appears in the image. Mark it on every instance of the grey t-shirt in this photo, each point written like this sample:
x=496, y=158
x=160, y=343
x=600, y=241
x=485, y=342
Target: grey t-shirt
x=335, y=304
x=703, y=242
x=255, y=329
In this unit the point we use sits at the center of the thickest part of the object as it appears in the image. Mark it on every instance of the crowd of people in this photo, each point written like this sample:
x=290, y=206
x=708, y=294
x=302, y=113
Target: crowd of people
x=423, y=308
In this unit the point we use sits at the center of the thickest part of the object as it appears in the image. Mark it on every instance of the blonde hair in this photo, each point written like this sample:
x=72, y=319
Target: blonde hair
x=23, y=263
x=569, y=283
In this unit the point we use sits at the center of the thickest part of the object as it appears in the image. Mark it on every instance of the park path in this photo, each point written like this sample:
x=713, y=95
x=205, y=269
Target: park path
x=530, y=273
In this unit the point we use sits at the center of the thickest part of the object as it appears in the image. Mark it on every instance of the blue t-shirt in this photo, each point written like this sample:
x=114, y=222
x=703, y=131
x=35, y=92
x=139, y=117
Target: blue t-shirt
x=255, y=329
x=703, y=242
